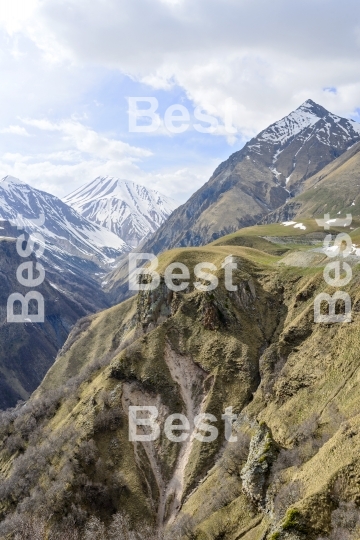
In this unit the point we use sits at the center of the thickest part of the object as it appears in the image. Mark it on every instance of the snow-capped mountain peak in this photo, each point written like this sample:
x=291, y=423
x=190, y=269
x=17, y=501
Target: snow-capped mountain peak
x=66, y=232
x=310, y=107
x=305, y=117
x=11, y=181
x=303, y=142
x=128, y=209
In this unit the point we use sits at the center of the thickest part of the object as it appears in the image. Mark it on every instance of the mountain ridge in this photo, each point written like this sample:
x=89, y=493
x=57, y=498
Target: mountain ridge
x=76, y=254
x=28, y=349
x=258, y=178
x=66, y=461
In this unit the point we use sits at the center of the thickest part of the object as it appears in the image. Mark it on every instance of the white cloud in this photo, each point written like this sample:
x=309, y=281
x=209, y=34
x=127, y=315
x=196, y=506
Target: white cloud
x=88, y=141
x=60, y=178
x=43, y=124
x=15, y=130
x=268, y=56
x=13, y=158
x=179, y=183
x=86, y=154
x=16, y=14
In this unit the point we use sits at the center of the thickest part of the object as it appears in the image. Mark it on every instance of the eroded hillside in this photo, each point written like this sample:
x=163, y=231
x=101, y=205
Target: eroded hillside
x=294, y=384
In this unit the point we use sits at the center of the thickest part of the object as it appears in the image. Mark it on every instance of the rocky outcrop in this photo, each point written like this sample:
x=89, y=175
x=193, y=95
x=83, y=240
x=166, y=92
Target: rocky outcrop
x=293, y=384
x=287, y=212
x=153, y=306
x=254, y=475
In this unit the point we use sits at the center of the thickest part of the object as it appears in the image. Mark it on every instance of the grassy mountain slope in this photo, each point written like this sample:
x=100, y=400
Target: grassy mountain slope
x=293, y=383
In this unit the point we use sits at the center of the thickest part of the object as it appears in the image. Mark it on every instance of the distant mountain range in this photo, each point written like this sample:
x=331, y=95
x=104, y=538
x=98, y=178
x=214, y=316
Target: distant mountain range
x=259, y=178
x=129, y=210
x=66, y=232
x=76, y=254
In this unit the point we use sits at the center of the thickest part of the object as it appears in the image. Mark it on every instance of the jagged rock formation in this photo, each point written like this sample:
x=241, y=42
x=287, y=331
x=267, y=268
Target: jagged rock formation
x=255, y=474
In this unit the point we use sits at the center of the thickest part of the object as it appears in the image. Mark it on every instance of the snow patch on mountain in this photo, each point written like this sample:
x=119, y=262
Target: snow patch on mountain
x=310, y=134
x=294, y=224
x=291, y=125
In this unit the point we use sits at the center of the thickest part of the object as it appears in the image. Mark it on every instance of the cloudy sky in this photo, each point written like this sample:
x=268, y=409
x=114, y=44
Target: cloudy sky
x=69, y=67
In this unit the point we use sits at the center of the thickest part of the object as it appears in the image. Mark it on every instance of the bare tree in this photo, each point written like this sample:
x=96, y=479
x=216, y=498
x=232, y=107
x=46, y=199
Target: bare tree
x=345, y=522
x=95, y=529
x=287, y=495
x=30, y=528
x=120, y=527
